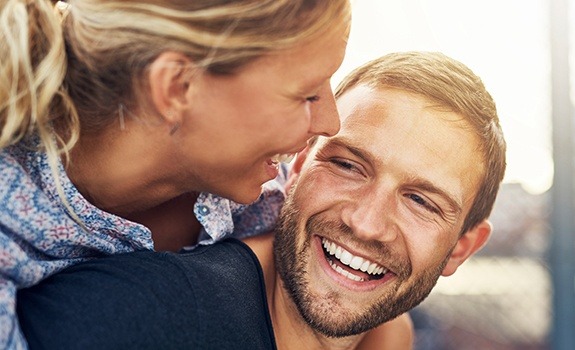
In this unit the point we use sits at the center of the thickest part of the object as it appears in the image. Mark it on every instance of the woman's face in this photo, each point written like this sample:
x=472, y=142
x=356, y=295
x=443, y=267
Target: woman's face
x=238, y=124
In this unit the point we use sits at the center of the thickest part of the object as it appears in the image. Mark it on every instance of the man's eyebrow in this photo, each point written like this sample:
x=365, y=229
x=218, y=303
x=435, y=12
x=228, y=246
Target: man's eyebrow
x=358, y=152
x=420, y=183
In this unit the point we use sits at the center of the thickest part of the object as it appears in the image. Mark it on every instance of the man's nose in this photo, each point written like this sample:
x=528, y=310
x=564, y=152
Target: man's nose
x=324, y=116
x=371, y=217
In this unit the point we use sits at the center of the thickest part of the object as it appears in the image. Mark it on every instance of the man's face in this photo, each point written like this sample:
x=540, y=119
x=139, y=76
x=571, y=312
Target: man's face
x=377, y=210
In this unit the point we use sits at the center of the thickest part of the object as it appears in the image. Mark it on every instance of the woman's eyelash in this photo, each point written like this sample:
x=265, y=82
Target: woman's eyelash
x=313, y=98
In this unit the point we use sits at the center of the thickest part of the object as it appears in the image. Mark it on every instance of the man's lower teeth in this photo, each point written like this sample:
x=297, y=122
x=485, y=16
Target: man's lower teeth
x=345, y=273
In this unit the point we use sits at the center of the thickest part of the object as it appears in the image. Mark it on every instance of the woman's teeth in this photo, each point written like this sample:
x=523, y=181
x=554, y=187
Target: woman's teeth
x=283, y=158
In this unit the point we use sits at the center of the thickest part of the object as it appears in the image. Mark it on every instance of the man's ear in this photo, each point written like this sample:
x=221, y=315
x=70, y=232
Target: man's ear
x=169, y=79
x=296, y=167
x=469, y=243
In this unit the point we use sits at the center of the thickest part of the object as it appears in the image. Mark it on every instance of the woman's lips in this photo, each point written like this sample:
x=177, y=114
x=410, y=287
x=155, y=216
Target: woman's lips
x=272, y=163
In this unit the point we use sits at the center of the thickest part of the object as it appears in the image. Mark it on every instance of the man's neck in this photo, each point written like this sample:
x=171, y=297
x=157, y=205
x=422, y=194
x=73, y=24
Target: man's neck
x=290, y=329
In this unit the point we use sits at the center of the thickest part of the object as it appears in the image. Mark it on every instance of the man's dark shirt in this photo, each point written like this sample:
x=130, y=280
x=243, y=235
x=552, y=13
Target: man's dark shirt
x=210, y=298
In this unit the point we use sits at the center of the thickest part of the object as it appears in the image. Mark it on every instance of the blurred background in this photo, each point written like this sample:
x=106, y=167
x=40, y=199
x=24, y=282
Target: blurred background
x=518, y=292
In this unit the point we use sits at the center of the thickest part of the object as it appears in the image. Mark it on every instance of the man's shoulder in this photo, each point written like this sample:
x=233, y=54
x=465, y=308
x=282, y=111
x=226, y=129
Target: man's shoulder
x=230, y=292
x=210, y=298
x=218, y=266
x=222, y=253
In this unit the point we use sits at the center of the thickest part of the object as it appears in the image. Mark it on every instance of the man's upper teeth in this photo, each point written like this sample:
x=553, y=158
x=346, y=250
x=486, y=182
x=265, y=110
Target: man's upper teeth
x=355, y=262
x=283, y=158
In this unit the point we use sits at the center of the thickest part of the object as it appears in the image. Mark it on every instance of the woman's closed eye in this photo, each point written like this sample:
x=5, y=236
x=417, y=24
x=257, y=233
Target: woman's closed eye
x=312, y=99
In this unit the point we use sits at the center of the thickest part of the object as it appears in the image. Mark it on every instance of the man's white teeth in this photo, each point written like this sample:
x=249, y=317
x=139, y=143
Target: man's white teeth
x=283, y=158
x=344, y=272
x=355, y=262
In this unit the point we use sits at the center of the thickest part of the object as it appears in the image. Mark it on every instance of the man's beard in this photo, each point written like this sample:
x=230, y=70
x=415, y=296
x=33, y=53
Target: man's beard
x=324, y=313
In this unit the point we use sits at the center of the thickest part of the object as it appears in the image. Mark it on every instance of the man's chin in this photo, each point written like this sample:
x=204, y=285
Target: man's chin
x=342, y=323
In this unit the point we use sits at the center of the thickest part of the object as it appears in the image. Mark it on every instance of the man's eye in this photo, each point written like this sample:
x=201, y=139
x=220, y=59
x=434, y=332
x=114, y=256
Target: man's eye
x=422, y=202
x=313, y=98
x=342, y=164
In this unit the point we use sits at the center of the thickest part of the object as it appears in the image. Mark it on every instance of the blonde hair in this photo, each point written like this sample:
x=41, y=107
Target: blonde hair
x=111, y=43
x=99, y=58
x=31, y=75
x=32, y=70
x=451, y=85
x=62, y=74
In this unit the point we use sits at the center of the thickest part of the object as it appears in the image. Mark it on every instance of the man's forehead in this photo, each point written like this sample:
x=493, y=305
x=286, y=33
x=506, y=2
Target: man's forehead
x=353, y=101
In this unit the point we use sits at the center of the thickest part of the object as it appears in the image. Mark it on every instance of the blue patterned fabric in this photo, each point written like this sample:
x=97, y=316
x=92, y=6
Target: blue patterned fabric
x=222, y=218
x=38, y=237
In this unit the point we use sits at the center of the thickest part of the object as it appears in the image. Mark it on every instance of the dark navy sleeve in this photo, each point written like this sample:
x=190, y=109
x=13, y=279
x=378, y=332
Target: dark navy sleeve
x=210, y=298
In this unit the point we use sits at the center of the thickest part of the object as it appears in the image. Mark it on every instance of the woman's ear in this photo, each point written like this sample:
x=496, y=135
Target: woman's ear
x=169, y=79
x=467, y=245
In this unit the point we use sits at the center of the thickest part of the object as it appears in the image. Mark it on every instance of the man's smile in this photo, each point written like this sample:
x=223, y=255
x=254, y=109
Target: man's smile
x=352, y=270
x=355, y=267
